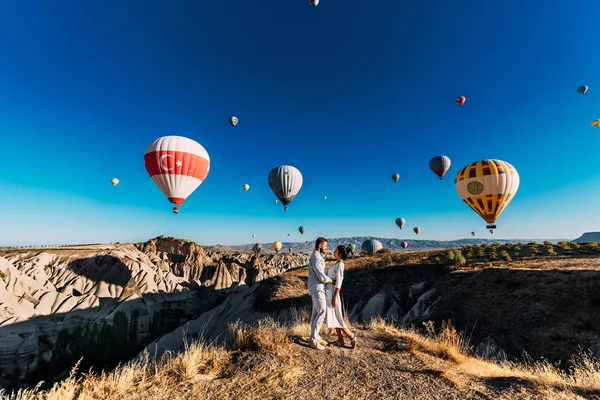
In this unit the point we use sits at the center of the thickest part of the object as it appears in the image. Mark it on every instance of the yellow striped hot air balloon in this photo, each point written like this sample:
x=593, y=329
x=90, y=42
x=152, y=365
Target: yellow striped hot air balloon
x=487, y=186
x=277, y=246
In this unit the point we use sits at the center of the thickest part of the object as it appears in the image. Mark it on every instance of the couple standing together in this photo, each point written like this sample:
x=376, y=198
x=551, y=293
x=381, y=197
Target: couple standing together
x=324, y=291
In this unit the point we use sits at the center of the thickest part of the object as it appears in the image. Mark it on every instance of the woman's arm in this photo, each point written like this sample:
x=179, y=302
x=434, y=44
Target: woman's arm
x=336, y=292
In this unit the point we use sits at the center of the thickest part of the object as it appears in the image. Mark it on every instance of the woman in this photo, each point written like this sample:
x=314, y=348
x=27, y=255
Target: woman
x=334, y=315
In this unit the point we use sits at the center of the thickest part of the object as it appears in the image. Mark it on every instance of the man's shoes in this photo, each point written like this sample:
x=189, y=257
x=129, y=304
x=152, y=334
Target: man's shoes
x=315, y=345
x=322, y=342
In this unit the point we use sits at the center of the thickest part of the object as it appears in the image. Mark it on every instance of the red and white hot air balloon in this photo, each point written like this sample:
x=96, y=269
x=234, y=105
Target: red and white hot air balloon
x=177, y=165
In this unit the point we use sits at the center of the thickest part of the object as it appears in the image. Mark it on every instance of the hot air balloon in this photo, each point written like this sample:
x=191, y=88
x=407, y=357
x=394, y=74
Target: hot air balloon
x=302, y=230
x=582, y=89
x=596, y=123
x=460, y=100
x=277, y=246
x=177, y=165
x=114, y=181
x=253, y=235
x=439, y=165
x=400, y=222
x=246, y=186
x=404, y=245
x=233, y=120
x=371, y=246
x=351, y=247
x=487, y=186
x=175, y=210
x=324, y=197
x=395, y=177
x=473, y=233
x=416, y=230
x=285, y=181
x=314, y=3
x=276, y=201
x=492, y=231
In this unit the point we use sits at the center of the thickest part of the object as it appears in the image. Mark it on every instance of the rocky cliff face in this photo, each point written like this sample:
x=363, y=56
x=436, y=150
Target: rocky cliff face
x=57, y=297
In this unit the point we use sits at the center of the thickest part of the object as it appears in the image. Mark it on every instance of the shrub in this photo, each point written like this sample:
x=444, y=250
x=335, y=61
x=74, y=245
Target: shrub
x=574, y=245
x=385, y=250
x=362, y=253
x=493, y=255
x=455, y=257
x=593, y=246
x=481, y=251
x=535, y=248
x=505, y=256
x=437, y=260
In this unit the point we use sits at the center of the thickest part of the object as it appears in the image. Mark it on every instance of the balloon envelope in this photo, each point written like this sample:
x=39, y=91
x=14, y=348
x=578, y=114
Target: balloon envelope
x=596, y=123
x=487, y=186
x=352, y=247
x=371, y=246
x=582, y=89
x=177, y=165
x=233, y=120
x=314, y=3
x=404, y=245
x=395, y=177
x=416, y=230
x=302, y=230
x=277, y=246
x=114, y=181
x=285, y=181
x=460, y=100
x=439, y=165
x=400, y=222
x=472, y=233
x=246, y=186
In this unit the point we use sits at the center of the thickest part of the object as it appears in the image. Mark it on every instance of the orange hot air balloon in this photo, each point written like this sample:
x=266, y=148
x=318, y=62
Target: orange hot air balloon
x=177, y=165
x=460, y=100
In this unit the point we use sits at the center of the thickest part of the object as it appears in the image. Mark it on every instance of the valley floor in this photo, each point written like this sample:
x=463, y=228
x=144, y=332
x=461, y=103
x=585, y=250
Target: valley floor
x=274, y=362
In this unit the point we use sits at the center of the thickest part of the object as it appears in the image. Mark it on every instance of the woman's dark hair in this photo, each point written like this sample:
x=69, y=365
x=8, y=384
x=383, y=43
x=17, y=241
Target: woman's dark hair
x=343, y=252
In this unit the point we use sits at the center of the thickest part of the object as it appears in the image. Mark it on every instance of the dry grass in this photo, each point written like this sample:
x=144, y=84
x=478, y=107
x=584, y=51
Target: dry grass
x=461, y=367
x=264, y=362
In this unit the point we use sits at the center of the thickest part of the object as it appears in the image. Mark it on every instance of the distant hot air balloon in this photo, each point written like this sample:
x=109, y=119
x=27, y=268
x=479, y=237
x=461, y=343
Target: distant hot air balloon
x=276, y=201
x=175, y=210
x=302, y=230
x=314, y=3
x=404, y=245
x=395, y=177
x=288, y=234
x=371, y=246
x=473, y=233
x=492, y=231
x=177, y=165
x=114, y=181
x=351, y=247
x=596, y=123
x=233, y=120
x=246, y=186
x=582, y=89
x=253, y=235
x=400, y=222
x=277, y=246
x=416, y=230
x=487, y=186
x=285, y=181
x=324, y=197
x=460, y=100
x=439, y=165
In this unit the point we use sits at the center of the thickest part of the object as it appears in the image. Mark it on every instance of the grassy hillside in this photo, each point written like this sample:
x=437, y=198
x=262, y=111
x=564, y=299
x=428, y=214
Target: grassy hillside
x=273, y=361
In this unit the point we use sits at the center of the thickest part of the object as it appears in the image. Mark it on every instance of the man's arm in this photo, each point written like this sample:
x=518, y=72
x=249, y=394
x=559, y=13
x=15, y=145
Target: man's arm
x=319, y=270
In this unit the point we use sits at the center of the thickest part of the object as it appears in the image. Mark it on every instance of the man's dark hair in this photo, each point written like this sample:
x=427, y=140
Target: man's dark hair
x=319, y=241
x=343, y=252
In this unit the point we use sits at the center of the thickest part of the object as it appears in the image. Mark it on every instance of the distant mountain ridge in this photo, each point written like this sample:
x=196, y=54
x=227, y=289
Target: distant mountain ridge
x=391, y=243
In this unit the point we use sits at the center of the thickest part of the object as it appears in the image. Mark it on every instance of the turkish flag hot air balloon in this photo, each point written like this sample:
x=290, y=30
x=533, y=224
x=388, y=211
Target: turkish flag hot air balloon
x=177, y=165
x=487, y=186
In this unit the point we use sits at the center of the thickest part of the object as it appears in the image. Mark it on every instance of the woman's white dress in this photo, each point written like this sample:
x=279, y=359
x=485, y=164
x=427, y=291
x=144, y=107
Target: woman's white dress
x=334, y=316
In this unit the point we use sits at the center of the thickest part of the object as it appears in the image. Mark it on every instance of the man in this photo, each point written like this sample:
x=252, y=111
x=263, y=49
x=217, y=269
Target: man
x=317, y=279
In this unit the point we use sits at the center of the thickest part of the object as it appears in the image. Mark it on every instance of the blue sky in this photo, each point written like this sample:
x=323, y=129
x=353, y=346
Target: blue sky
x=349, y=93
